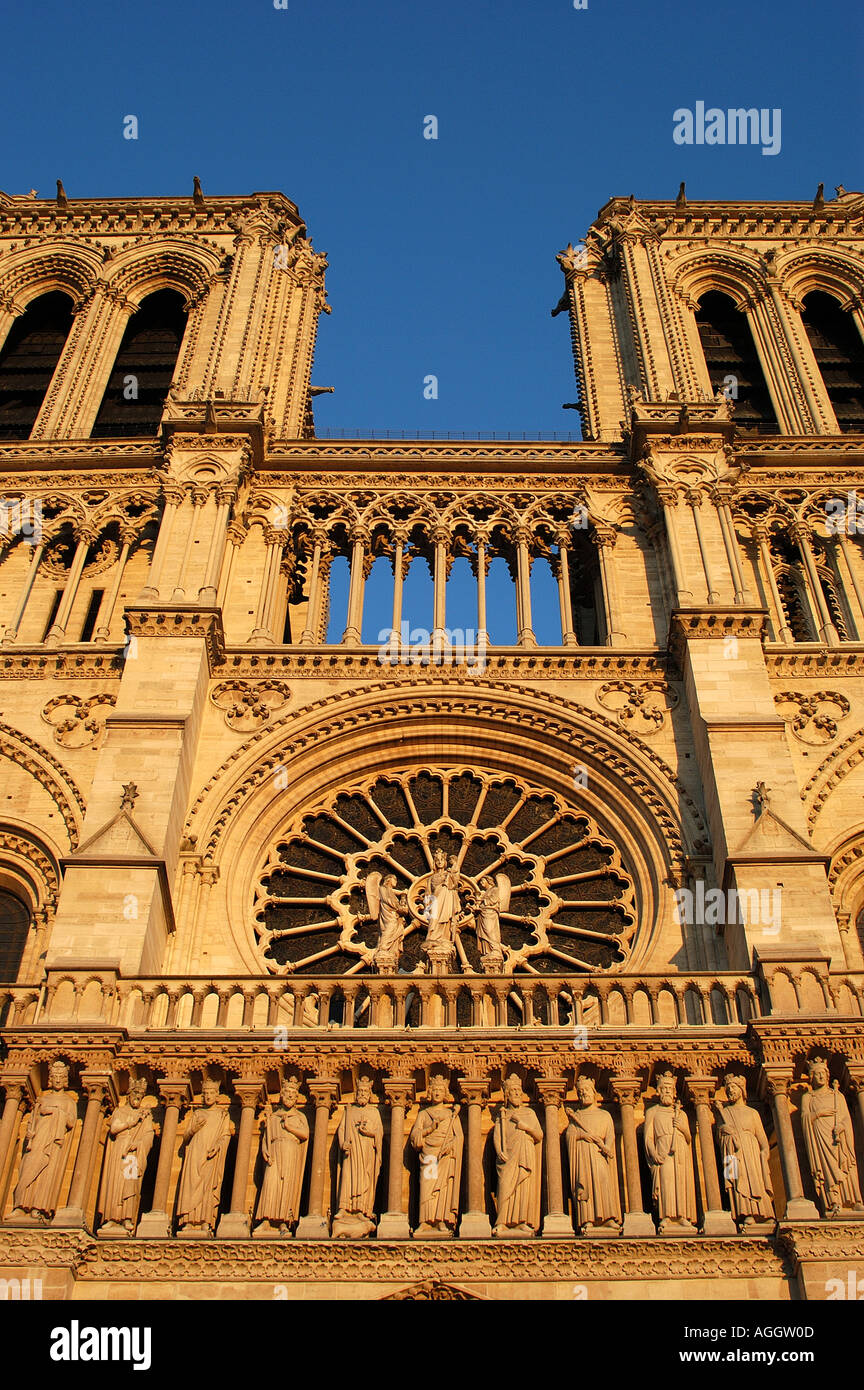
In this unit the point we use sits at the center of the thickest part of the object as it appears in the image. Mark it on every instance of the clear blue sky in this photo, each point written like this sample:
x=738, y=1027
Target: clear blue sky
x=441, y=251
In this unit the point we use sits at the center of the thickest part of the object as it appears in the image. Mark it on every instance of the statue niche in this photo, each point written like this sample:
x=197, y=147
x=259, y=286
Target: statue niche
x=131, y=1133
x=205, y=1142
x=46, y=1150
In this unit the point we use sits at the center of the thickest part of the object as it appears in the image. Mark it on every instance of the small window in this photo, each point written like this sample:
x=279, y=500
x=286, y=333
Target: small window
x=839, y=354
x=92, y=614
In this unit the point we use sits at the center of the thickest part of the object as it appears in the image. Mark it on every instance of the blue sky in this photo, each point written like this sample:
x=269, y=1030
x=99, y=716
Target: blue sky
x=441, y=251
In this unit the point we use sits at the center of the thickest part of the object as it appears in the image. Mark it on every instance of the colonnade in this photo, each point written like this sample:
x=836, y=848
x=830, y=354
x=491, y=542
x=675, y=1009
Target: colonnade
x=623, y=1097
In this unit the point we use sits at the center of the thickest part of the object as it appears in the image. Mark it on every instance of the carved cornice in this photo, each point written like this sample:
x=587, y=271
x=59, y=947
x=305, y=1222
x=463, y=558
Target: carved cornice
x=180, y=620
x=360, y=663
x=533, y=1261
x=34, y=663
x=716, y=623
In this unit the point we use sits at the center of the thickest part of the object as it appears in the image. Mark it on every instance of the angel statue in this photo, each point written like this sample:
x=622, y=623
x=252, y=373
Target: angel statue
x=493, y=900
x=389, y=909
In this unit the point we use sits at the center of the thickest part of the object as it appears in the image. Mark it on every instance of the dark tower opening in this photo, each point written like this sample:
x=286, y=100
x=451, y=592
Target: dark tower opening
x=731, y=353
x=14, y=926
x=839, y=353
x=28, y=359
x=143, y=368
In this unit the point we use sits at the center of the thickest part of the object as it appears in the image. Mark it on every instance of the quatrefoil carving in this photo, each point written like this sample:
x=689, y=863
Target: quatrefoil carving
x=78, y=723
x=812, y=716
x=641, y=707
x=249, y=705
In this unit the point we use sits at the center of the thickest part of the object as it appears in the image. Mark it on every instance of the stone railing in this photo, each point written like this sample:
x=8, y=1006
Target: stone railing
x=702, y=999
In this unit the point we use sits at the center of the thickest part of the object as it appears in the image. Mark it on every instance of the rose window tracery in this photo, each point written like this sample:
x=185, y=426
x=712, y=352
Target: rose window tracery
x=563, y=901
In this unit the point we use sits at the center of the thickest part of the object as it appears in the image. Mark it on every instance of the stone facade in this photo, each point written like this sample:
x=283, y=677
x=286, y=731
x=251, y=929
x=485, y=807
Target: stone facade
x=323, y=933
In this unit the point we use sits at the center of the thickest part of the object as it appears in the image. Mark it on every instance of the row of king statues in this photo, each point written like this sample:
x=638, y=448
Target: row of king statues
x=438, y=1141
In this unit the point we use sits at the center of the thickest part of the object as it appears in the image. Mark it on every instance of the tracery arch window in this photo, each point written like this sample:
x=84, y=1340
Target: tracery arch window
x=839, y=353
x=730, y=351
x=143, y=368
x=14, y=928
x=571, y=903
x=28, y=360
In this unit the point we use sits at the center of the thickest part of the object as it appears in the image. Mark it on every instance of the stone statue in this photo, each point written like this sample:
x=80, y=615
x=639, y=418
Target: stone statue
x=283, y=1146
x=444, y=909
x=669, y=1150
x=745, y=1151
x=206, y=1141
x=388, y=908
x=437, y=1137
x=494, y=899
x=593, y=1169
x=518, y=1137
x=130, y=1139
x=46, y=1150
x=360, y=1137
x=830, y=1143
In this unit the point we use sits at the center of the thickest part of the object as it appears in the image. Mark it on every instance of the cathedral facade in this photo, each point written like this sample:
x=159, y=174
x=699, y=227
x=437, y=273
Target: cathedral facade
x=518, y=956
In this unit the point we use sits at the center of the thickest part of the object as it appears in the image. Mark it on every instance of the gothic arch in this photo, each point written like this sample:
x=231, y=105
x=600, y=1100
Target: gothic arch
x=846, y=875
x=739, y=277
x=141, y=270
x=42, y=765
x=28, y=274
x=630, y=793
x=831, y=272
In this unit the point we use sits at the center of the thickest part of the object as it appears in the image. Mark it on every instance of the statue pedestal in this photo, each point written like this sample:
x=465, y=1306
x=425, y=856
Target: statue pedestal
x=719, y=1223
x=154, y=1225
x=235, y=1225
x=638, y=1223
x=313, y=1228
x=393, y=1225
x=67, y=1217
x=801, y=1209
x=475, y=1226
x=558, y=1228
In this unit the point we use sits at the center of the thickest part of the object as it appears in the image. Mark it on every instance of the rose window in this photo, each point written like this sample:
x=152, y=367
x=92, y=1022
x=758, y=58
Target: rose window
x=567, y=903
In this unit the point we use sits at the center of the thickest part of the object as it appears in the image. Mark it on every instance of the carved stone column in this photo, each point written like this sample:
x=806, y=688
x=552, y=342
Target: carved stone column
x=798, y=1207
x=475, y=1223
x=846, y=571
x=199, y=501
x=482, y=565
x=236, y=1224
x=783, y=630
x=103, y=631
x=525, y=635
x=157, y=1222
x=605, y=541
x=309, y=634
x=440, y=539
x=262, y=631
x=173, y=494
x=354, y=626
x=694, y=500
x=730, y=545
x=19, y=1092
x=716, y=1221
x=637, y=1221
x=84, y=539
x=565, y=599
x=398, y=584
x=98, y=1088
x=218, y=537
x=827, y=631
x=556, y=1224
x=668, y=498
x=315, y=1225
x=12, y=630
x=393, y=1224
